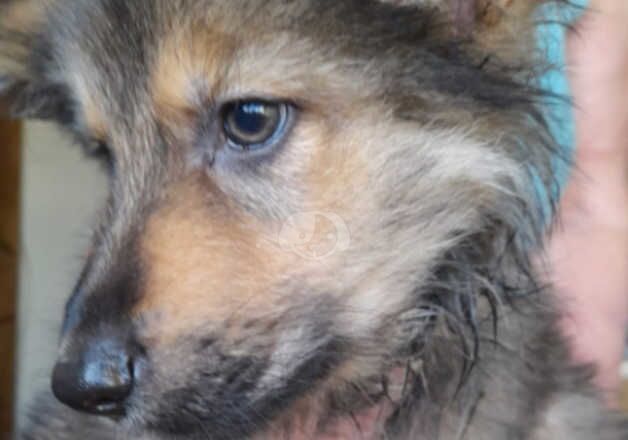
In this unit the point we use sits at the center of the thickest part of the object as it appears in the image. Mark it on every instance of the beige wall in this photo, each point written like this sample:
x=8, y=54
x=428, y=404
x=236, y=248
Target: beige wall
x=61, y=192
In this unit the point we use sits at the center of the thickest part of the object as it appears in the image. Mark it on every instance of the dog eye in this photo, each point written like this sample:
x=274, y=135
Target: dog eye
x=254, y=124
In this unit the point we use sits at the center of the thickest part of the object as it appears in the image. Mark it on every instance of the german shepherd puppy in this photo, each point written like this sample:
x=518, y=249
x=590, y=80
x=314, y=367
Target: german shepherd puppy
x=320, y=221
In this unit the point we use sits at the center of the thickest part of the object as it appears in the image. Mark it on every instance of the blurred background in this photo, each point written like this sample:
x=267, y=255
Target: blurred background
x=49, y=196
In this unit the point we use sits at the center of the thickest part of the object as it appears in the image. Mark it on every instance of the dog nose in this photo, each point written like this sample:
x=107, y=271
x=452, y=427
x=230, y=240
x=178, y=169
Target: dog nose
x=98, y=381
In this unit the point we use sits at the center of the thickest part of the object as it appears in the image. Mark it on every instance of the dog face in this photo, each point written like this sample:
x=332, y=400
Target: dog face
x=287, y=180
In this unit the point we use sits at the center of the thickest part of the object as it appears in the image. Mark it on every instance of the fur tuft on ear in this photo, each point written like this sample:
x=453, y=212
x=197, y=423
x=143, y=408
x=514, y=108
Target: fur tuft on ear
x=502, y=28
x=506, y=27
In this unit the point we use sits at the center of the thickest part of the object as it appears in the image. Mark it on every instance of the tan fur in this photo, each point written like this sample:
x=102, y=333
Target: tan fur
x=92, y=114
x=348, y=268
x=505, y=28
x=188, y=58
x=204, y=264
x=24, y=16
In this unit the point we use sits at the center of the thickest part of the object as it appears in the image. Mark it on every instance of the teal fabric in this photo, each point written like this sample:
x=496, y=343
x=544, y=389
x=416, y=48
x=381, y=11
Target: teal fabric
x=551, y=38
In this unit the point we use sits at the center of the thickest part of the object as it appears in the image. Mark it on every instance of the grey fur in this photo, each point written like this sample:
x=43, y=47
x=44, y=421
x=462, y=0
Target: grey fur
x=454, y=144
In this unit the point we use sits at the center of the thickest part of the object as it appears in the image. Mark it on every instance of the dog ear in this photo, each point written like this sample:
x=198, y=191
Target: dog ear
x=22, y=49
x=499, y=27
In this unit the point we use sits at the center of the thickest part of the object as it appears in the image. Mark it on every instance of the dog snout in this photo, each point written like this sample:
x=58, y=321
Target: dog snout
x=97, y=378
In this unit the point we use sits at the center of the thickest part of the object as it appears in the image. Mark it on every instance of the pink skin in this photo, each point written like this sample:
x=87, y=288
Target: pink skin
x=589, y=248
x=364, y=426
x=367, y=424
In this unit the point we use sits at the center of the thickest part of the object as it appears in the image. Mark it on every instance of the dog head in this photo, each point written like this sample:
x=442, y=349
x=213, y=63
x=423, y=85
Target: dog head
x=295, y=186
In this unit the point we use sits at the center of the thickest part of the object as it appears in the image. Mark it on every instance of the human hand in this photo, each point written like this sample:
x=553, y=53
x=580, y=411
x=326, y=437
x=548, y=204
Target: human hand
x=589, y=248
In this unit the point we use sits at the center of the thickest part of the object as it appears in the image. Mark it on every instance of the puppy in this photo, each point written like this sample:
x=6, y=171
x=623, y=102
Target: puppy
x=320, y=221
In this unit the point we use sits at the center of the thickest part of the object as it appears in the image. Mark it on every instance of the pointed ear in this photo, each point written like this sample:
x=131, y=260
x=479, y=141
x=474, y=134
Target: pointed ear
x=461, y=14
x=504, y=28
x=22, y=24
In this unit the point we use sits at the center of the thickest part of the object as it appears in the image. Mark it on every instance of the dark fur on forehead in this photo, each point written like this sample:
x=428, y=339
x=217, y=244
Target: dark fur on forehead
x=419, y=33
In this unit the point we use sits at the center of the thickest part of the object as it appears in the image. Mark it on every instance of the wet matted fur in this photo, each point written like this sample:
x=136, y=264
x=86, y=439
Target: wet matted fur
x=417, y=159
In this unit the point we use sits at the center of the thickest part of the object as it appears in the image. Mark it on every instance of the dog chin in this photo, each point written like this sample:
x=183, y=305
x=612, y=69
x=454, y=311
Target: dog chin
x=366, y=424
x=311, y=420
x=307, y=418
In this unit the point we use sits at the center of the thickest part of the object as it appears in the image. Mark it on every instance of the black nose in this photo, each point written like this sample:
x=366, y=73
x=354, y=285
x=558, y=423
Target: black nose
x=96, y=380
